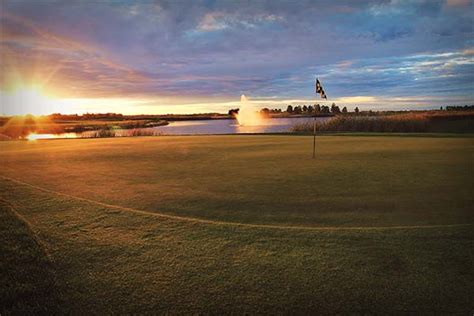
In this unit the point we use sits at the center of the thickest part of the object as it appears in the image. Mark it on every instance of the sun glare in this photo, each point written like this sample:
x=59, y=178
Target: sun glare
x=34, y=136
x=40, y=136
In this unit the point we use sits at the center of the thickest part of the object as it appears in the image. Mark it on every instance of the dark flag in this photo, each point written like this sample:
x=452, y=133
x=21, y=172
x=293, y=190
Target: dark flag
x=320, y=90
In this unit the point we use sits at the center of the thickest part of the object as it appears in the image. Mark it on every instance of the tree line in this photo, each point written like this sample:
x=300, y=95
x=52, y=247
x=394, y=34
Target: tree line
x=323, y=109
x=304, y=109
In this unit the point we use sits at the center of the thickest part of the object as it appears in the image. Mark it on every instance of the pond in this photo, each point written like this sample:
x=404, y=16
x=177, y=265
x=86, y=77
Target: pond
x=230, y=126
x=195, y=127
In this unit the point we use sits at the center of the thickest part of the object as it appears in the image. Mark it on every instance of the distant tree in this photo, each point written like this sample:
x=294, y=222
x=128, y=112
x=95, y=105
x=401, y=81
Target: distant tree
x=317, y=108
x=356, y=110
x=289, y=109
x=335, y=109
x=310, y=109
x=344, y=110
x=325, y=109
x=297, y=109
x=441, y=108
x=459, y=108
x=265, y=112
x=305, y=108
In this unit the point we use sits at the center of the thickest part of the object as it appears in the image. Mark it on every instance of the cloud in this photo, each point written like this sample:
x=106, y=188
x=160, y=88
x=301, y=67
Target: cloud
x=221, y=49
x=215, y=21
x=358, y=99
x=458, y=3
x=212, y=22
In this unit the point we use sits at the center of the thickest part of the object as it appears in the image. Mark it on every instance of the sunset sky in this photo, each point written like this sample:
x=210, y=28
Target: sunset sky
x=199, y=56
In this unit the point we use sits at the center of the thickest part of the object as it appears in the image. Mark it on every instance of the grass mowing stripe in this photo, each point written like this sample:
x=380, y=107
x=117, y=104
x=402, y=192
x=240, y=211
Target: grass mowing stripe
x=28, y=278
x=110, y=261
x=28, y=226
x=204, y=221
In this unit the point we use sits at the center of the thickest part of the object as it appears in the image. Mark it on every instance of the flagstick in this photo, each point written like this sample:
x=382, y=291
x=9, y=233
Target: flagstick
x=314, y=136
x=320, y=91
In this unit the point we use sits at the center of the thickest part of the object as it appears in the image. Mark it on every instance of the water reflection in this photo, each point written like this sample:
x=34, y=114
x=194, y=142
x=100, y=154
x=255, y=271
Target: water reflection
x=34, y=136
x=197, y=127
x=227, y=126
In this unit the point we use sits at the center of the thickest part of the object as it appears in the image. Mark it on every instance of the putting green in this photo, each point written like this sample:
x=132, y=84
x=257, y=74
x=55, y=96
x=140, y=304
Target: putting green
x=261, y=180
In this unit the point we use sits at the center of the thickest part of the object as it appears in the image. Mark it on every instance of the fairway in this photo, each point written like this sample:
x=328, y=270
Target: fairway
x=236, y=224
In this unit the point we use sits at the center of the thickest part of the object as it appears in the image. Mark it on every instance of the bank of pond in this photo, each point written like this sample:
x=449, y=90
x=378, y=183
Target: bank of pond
x=410, y=122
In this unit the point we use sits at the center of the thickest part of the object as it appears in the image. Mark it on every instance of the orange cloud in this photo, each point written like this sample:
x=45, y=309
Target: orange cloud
x=458, y=3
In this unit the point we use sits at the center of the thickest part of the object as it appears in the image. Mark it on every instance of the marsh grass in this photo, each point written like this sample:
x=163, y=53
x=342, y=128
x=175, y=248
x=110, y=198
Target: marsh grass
x=140, y=132
x=19, y=128
x=412, y=122
x=135, y=132
x=102, y=133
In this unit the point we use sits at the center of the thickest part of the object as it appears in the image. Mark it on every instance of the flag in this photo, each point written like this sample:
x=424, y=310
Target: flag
x=320, y=90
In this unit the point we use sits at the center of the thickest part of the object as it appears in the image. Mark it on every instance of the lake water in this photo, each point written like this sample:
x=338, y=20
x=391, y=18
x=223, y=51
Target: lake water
x=199, y=127
x=230, y=126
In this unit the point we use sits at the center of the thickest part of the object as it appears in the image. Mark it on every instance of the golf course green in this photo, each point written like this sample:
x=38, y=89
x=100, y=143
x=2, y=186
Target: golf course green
x=238, y=224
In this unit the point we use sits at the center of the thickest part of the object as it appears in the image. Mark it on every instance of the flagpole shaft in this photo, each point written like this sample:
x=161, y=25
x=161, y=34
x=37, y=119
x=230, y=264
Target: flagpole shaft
x=314, y=137
x=320, y=91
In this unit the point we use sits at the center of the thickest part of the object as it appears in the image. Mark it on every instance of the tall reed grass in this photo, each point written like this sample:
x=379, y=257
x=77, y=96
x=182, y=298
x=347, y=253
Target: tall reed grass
x=395, y=123
x=135, y=132
x=140, y=132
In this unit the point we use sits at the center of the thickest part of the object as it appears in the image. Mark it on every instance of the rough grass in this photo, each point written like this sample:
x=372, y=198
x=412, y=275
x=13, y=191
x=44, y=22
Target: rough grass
x=110, y=260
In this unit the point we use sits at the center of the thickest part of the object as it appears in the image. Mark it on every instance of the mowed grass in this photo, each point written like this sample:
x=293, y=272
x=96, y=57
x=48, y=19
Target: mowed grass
x=27, y=279
x=355, y=181
x=107, y=259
